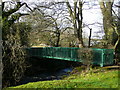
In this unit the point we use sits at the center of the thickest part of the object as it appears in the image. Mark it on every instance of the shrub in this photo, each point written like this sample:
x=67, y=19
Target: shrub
x=86, y=55
x=13, y=61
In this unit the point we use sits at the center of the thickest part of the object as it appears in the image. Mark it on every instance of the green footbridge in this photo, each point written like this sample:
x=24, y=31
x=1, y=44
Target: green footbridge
x=100, y=57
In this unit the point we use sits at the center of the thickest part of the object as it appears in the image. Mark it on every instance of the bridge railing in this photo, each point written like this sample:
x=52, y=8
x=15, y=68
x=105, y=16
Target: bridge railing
x=100, y=56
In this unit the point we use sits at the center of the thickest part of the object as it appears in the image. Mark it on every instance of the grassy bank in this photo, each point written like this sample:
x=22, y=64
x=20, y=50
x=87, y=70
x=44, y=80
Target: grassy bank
x=93, y=79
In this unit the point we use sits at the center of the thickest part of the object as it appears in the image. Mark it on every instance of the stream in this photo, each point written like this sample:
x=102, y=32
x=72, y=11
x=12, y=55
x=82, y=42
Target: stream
x=48, y=75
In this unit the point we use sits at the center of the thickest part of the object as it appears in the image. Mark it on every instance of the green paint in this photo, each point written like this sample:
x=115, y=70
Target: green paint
x=100, y=56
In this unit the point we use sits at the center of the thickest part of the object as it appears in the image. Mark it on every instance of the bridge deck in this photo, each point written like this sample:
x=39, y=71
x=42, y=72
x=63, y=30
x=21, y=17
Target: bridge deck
x=100, y=56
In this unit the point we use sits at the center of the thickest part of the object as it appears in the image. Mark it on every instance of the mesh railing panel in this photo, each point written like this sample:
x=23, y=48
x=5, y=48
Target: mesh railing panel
x=100, y=56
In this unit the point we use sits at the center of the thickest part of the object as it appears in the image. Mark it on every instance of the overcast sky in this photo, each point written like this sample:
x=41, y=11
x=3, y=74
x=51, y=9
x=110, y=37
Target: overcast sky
x=90, y=16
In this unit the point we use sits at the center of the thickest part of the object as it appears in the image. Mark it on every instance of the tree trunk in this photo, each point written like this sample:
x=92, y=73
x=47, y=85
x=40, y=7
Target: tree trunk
x=117, y=44
x=106, y=8
x=77, y=19
x=117, y=51
x=58, y=40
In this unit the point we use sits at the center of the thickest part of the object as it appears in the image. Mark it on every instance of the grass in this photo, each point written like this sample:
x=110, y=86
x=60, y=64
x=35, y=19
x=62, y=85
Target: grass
x=93, y=79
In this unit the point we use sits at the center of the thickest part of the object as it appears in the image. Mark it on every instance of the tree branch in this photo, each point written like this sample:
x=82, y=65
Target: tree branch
x=102, y=6
x=11, y=11
x=115, y=14
x=117, y=6
x=70, y=9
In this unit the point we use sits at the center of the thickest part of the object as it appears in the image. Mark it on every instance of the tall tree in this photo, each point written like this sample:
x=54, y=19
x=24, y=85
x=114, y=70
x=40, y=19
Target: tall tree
x=106, y=8
x=50, y=25
x=13, y=55
x=111, y=27
x=117, y=30
x=77, y=18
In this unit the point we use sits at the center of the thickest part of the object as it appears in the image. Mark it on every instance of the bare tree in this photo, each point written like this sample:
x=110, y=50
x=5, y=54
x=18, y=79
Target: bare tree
x=77, y=18
x=117, y=30
x=52, y=22
x=106, y=8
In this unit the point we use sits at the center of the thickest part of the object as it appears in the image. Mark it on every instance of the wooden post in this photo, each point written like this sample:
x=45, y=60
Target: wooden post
x=90, y=37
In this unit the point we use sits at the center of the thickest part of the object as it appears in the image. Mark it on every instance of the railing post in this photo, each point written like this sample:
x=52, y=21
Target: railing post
x=103, y=57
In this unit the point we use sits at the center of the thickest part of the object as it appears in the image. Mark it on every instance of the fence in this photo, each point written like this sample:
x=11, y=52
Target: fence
x=101, y=57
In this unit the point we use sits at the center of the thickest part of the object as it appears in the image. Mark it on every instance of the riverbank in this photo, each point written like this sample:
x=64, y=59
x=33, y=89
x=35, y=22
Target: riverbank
x=96, y=78
x=42, y=69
